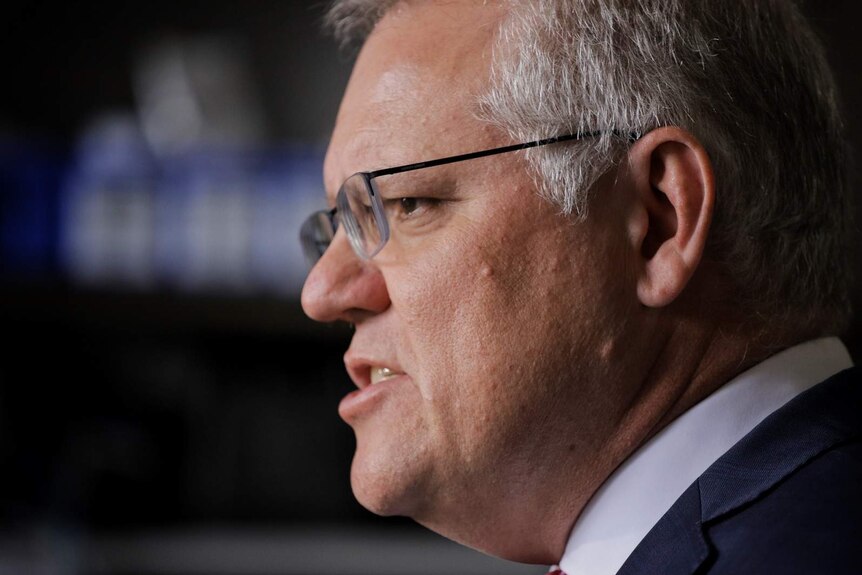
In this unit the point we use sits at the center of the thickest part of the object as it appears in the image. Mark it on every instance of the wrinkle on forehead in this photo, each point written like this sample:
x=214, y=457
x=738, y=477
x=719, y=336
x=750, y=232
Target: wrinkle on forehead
x=392, y=85
x=374, y=129
x=389, y=104
x=412, y=96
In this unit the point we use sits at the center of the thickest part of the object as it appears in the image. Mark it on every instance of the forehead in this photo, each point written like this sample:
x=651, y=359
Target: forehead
x=412, y=93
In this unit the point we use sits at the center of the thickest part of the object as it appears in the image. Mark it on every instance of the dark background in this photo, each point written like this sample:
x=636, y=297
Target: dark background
x=132, y=412
x=123, y=407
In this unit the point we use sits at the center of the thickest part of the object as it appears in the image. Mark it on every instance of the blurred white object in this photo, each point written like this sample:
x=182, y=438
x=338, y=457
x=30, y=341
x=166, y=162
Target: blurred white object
x=184, y=193
x=106, y=227
x=196, y=91
x=288, y=188
x=203, y=223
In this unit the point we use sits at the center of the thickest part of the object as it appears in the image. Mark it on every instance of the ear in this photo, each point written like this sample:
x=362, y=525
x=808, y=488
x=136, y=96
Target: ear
x=674, y=194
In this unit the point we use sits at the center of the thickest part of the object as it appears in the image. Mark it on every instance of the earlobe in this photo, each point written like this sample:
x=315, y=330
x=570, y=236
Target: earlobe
x=675, y=193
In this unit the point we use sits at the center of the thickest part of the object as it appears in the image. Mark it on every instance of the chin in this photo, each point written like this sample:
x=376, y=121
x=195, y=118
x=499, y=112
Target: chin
x=393, y=464
x=384, y=488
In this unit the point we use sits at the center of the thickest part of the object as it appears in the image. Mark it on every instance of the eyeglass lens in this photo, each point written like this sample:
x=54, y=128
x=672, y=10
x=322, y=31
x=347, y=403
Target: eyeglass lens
x=316, y=235
x=361, y=214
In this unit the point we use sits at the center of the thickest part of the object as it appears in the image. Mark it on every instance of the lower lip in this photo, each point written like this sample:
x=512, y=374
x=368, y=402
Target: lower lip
x=362, y=401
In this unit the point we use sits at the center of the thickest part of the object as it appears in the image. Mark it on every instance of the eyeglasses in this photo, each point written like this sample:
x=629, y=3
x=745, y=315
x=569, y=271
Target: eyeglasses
x=359, y=206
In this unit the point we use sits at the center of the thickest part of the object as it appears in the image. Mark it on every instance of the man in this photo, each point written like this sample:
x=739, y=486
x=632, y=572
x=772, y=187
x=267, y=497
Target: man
x=594, y=332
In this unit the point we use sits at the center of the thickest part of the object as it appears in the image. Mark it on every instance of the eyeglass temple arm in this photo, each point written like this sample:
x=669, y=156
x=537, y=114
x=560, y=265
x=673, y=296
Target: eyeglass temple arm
x=632, y=136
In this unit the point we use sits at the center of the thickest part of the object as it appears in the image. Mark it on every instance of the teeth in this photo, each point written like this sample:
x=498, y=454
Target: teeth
x=379, y=374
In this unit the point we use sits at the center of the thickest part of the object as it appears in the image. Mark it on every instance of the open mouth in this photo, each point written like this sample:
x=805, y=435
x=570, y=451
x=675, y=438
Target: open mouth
x=379, y=373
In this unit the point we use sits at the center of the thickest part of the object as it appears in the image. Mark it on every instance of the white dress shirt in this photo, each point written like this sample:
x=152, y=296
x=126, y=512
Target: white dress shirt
x=647, y=484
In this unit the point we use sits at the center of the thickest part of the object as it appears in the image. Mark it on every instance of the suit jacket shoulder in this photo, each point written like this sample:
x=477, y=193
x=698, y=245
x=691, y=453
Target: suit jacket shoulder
x=787, y=498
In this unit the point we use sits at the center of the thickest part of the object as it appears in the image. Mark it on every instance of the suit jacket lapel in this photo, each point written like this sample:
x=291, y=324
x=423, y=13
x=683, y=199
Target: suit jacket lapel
x=811, y=423
x=676, y=546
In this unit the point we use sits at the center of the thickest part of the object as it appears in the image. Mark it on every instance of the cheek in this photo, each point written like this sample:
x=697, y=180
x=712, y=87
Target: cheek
x=448, y=310
x=441, y=304
x=492, y=315
x=475, y=321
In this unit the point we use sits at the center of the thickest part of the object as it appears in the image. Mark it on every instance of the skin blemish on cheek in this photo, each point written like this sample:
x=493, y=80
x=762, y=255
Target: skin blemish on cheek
x=486, y=270
x=607, y=350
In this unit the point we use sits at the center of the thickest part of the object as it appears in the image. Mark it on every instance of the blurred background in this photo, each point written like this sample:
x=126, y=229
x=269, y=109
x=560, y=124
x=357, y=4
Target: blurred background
x=164, y=405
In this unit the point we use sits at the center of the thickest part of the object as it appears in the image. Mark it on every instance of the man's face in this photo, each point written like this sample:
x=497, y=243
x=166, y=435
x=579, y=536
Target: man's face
x=494, y=315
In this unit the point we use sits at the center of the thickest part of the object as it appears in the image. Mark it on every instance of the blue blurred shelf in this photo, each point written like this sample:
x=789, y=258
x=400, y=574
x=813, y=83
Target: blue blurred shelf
x=111, y=215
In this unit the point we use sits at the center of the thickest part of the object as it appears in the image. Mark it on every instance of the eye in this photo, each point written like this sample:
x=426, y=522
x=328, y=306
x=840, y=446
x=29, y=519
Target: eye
x=408, y=205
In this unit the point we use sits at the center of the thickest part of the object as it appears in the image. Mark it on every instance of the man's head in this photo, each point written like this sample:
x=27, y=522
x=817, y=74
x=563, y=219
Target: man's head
x=533, y=319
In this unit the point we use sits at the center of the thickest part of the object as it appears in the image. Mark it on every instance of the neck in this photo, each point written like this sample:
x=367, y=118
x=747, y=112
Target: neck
x=689, y=362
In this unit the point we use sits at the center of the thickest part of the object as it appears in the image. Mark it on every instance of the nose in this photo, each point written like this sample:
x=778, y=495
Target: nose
x=341, y=286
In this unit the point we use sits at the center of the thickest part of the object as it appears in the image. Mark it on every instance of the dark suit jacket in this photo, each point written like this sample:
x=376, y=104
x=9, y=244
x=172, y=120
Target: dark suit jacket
x=787, y=498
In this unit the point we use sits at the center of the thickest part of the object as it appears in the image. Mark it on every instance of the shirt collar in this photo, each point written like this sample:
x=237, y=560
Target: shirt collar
x=647, y=484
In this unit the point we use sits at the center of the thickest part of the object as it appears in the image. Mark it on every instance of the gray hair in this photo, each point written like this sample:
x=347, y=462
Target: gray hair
x=747, y=77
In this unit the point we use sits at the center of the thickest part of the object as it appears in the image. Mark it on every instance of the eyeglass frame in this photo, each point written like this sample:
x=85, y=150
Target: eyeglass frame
x=309, y=244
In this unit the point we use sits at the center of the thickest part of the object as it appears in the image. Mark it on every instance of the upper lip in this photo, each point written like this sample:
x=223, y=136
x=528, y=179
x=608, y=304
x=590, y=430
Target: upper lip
x=359, y=367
